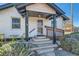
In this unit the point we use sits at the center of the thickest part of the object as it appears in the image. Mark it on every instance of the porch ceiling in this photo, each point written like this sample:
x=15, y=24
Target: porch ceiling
x=38, y=14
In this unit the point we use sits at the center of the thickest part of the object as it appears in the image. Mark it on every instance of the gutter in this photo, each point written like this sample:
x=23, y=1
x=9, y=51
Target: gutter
x=5, y=6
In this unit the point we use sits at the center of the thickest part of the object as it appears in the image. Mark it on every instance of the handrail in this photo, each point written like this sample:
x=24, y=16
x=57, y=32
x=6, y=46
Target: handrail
x=29, y=32
x=32, y=30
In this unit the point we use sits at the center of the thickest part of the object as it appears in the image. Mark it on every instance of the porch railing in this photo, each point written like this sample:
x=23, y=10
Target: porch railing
x=49, y=32
x=32, y=30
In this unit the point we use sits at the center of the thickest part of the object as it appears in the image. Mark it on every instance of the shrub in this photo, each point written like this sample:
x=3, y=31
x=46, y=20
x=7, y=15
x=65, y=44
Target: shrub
x=66, y=45
x=2, y=51
x=75, y=47
x=1, y=42
x=5, y=50
x=14, y=49
x=20, y=49
x=72, y=46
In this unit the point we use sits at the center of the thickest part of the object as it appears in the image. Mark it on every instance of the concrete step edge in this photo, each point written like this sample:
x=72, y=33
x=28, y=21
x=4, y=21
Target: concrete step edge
x=41, y=42
x=44, y=47
x=45, y=50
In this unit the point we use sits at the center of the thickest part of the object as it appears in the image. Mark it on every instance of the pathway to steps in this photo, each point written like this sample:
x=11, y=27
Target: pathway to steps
x=63, y=53
x=42, y=46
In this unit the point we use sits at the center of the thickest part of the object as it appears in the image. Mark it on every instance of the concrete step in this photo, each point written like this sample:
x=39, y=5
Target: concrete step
x=41, y=39
x=45, y=50
x=42, y=42
x=46, y=44
x=44, y=47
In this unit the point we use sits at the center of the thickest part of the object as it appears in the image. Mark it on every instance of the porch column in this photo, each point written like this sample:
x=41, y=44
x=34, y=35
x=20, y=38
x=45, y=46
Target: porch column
x=26, y=26
x=54, y=27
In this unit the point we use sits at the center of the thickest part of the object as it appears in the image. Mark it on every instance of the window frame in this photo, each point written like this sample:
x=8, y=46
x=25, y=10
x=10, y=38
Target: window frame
x=16, y=23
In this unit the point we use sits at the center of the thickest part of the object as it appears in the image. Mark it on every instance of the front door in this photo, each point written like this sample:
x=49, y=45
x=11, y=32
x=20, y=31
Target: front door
x=40, y=27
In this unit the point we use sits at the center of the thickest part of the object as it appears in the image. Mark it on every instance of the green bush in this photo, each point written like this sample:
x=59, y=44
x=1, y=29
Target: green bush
x=75, y=33
x=14, y=49
x=1, y=42
x=72, y=46
x=20, y=49
x=75, y=47
x=66, y=45
x=5, y=49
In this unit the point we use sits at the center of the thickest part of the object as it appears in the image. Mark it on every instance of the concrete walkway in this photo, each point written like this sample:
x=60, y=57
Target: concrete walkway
x=63, y=53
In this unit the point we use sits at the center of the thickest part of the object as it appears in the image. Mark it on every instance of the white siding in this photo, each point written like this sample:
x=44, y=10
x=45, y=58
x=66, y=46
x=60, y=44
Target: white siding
x=6, y=22
x=33, y=24
x=60, y=23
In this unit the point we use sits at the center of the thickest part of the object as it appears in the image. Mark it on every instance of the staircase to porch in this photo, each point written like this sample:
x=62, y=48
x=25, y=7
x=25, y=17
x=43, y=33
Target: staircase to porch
x=43, y=46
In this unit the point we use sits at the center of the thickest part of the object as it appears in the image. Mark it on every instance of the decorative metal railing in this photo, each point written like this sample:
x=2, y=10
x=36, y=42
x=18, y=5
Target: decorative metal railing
x=32, y=30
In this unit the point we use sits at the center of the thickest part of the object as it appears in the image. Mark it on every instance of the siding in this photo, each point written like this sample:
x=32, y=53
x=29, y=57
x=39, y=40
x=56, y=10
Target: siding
x=40, y=7
x=6, y=22
x=60, y=23
x=33, y=24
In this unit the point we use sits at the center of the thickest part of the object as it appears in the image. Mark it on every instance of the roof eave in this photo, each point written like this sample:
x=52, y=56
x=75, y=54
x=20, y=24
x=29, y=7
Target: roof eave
x=65, y=17
x=58, y=10
x=8, y=5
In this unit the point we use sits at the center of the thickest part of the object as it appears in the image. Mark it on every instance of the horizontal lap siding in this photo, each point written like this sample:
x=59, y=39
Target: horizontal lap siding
x=6, y=23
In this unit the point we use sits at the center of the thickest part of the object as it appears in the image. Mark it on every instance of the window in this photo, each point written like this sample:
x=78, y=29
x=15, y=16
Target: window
x=15, y=23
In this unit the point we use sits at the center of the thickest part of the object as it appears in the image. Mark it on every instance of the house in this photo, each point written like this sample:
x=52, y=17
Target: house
x=31, y=19
x=68, y=26
x=76, y=29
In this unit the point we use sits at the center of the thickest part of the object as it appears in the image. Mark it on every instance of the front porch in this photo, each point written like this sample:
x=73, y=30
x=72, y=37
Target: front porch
x=40, y=24
x=37, y=22
x=37, y=18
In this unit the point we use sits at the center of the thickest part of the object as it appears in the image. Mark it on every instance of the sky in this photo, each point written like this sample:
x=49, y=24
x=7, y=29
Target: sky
x=66, y=7
x=1, y=3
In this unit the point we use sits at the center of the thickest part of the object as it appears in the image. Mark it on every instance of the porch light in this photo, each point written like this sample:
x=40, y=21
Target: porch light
x=39, y=16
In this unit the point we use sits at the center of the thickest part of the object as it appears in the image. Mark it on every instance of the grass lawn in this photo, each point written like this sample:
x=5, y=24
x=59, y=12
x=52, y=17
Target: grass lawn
x=75, y=33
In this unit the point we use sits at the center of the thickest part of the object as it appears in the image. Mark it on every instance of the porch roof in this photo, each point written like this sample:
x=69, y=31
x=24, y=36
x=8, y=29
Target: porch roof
x=65, y=17
x=39, y=14
x=21, y=7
